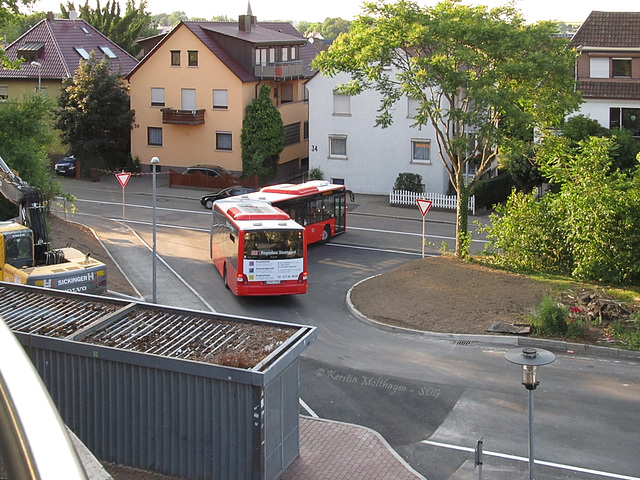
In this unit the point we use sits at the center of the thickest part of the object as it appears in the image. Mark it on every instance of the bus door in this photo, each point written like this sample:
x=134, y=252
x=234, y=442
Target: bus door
x=339, y=211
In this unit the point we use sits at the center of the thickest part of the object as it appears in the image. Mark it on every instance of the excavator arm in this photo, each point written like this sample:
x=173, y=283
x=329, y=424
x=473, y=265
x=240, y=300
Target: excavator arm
x=31, y=209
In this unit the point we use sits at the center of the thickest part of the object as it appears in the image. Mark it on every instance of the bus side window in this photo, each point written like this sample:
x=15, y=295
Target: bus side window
x=232, y=238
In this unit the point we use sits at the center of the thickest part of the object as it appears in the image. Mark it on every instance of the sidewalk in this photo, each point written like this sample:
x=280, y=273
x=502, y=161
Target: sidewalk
x=329, y=450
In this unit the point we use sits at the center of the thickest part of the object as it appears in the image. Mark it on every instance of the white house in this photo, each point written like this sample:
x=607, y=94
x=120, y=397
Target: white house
x=349, y=149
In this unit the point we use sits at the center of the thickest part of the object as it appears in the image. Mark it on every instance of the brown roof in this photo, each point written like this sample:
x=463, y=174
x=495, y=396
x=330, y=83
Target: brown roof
x=59, y=57
x=609, y=29
x=609, y=89
x=265, y=33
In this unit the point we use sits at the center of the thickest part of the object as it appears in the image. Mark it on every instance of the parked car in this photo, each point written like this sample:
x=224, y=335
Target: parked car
x=208, y=199
x=66, y=166
x=211, y=170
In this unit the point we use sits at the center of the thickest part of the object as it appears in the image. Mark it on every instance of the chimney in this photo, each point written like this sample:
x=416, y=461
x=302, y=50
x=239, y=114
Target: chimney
x=50, y=17
x=246, y=21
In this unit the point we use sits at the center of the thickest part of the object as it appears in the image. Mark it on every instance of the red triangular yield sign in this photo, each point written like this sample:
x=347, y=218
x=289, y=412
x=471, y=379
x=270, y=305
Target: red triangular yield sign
x=424, y=205
x=123, y=178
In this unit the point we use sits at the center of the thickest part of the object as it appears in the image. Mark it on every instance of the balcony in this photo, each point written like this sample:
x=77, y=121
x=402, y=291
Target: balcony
x=279, y=70
x=183, y=117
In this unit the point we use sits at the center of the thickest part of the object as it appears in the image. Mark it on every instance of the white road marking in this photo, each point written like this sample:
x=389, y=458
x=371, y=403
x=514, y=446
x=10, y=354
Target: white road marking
x=537, y=462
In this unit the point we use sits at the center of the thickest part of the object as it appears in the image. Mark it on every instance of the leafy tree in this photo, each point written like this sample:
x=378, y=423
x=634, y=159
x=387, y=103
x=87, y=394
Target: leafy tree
x=25, y=133
x=590, y=229
x=262, y=137
x=9, y=11
x=12, y=30
x=471, y=68
x=123, y=30
x=329, y=29
x=95, y=116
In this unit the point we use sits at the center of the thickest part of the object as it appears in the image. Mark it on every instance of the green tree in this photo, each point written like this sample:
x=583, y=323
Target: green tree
x=9, y=11
x=12, y=30
x=95, y=116
x=590, y=229
x=121, y=29
x=25, y=133
x=262, y=137
x=471, y=68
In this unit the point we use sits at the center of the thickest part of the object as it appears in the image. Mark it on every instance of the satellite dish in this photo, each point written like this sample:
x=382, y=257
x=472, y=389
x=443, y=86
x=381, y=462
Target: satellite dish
x=73, y=15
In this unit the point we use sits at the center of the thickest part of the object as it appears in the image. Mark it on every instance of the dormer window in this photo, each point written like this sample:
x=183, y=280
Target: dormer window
x=86, y=30
x=621, y=67
x=31, y=51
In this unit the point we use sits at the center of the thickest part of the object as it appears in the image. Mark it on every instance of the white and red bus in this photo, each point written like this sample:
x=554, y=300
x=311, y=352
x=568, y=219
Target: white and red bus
x=257, y=248
x=321, y=207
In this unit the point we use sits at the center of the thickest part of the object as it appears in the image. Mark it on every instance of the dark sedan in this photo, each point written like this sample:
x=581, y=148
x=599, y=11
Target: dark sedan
x=66, y=166
x=208, y=199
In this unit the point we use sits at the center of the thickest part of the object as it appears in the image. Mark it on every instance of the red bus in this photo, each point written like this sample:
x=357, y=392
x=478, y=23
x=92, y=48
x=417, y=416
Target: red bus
x=257, y=248
x=321, y=207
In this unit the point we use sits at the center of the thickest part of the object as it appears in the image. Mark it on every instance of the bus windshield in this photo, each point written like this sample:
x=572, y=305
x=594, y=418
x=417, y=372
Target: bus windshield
x=273, y=244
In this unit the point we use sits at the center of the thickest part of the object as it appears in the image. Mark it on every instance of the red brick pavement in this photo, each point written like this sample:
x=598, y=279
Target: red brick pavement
x=338, y=451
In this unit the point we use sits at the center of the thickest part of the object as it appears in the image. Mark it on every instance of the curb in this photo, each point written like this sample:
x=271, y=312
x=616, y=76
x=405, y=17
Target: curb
x=554, y=345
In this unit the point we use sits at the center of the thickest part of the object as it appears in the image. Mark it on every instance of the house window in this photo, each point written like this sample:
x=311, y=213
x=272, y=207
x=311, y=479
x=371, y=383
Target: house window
x=413, y=107
x=193, y=58
x=223, y=141
x=175, y=58
x=421, y=151
x=108, y=52
x=628, y=118
x=305, y=93
x=338, y=146
x=286, y=93
x=154, y=136
x=621, y=67
x=265, y=55
x=220, y=99
x=4, y=92
x=157, y=97
x=305, y=132
x=292, y=133
x=341, y=104
x=82, y=52
x=598, y=67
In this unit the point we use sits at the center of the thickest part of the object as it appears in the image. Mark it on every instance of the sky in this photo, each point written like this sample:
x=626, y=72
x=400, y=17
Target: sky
x=317, y=11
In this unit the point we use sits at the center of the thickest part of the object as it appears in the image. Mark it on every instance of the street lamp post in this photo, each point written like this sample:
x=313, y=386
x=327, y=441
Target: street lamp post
x=39, y=65
x=154, y=162
x=530, y=359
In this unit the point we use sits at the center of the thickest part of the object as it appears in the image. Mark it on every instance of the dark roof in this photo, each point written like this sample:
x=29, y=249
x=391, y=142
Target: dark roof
x=59, y=57
x=609, y=89
x=609, y=29
x=263, y=33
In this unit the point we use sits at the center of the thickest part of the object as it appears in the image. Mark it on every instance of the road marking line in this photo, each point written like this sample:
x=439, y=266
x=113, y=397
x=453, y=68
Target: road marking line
x=537, y=462
x=407, y=233
x=377, y=249
x=308, y=408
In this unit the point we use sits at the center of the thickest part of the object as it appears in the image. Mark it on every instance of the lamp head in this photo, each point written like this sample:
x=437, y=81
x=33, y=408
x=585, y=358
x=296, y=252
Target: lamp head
x=154, y=161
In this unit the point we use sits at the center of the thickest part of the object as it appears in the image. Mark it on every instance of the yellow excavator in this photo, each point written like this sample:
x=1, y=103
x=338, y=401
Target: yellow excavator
x=25, y=250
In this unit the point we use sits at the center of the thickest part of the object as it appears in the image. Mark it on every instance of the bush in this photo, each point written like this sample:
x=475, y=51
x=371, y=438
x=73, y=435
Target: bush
x=410, y=182
x=550, y=318
x=316, y=174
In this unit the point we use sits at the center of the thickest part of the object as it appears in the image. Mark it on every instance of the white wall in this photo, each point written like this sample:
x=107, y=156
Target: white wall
x=599, y=109
x=375, y=156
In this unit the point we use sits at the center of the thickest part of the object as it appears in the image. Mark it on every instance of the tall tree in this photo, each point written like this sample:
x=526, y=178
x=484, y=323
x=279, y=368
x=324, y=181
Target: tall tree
x=95, y=116
x=123, y=30
x=262, y=137
x=9, y=12
x=470, y=68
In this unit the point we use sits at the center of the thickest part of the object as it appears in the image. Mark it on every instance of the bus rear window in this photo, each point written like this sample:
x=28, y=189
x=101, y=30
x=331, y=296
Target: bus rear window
x=273, y=244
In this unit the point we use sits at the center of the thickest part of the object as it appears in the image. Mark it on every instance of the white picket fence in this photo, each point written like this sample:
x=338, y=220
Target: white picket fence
x=403, y=197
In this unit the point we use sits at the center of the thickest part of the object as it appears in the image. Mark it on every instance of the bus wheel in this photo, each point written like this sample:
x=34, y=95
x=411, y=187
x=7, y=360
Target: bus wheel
x=224, y=276
x=326, y=234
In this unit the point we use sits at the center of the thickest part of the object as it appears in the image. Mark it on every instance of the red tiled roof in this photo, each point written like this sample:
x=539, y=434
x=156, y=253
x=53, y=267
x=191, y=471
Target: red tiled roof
x=609, y=89
x=609, y=29
x=59, y=58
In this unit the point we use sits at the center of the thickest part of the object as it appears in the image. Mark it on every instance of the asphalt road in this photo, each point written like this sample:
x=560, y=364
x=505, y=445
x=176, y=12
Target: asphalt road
x=431, y=398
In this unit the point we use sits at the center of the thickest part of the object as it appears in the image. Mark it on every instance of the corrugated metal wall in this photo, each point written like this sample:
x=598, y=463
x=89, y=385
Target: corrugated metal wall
x=173, y=422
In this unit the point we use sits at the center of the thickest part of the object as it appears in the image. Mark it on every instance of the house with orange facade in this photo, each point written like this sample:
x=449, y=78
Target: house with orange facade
x=192, y=87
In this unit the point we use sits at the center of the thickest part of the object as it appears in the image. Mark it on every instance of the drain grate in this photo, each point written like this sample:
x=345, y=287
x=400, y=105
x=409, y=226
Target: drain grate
x=463, y=343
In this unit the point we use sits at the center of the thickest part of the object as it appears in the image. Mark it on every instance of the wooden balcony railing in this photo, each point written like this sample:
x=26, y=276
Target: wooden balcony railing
x=183, y=117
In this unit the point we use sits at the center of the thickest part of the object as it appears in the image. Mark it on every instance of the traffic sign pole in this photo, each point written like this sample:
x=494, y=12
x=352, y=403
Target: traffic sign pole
x=123, y=178
x=424, y=206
